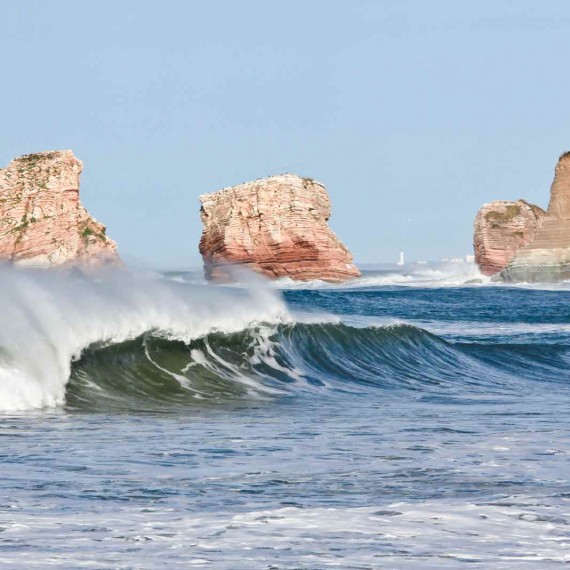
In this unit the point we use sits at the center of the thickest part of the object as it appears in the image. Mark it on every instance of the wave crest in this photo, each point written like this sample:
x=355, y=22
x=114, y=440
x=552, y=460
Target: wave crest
x=283, y=360
x=49, y=318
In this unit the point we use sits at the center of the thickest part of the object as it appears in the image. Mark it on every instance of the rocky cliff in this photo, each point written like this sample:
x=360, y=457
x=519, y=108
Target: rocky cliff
x=547, y=257
x=42, y=221
x=276, y=226
x=501, y=229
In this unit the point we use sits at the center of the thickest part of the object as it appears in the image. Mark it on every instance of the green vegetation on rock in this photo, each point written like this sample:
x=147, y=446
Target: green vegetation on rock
x=502, y=217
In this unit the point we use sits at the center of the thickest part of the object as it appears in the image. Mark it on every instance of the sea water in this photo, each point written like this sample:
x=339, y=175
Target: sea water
x=404, y=420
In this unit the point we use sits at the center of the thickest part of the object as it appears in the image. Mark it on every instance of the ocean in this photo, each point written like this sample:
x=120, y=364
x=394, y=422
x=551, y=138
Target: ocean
x=413, y=418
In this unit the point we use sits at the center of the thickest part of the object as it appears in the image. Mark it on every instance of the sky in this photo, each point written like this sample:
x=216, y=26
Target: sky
x=412, y=113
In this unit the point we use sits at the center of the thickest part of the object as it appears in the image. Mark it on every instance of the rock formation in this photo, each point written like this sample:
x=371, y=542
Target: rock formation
x=501, y=229
x=42, y=221
x=276, y=226
x=547, y=257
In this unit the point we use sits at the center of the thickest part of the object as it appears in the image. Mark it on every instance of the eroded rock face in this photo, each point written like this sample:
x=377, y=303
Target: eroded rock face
x=547, y=257
x=501, y=229
x=42, y=221
x=276, y=226
x=559, y=205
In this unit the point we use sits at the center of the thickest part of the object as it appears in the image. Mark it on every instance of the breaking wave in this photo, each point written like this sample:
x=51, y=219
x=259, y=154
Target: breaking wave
x=50, y=318
x=129, y=341
x=268, y=361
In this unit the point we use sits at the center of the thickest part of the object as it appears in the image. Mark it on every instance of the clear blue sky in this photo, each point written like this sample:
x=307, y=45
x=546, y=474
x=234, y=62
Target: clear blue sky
x=413, y=113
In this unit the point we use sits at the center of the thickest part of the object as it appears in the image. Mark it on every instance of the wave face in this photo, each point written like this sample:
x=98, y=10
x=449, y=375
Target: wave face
x=141, y=341
x=50, y=318
x=123, y=340
x=271, y=361
x=363, y=425
x=259, y=362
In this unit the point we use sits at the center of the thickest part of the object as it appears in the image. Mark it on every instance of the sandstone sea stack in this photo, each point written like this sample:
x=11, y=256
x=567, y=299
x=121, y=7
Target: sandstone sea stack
x=42, y=221
x=501, y=229
x=547, y=257
x=276, y=226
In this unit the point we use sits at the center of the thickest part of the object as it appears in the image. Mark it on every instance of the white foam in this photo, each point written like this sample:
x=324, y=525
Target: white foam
x=49, y=317
x=425, y=534
x=438, y=276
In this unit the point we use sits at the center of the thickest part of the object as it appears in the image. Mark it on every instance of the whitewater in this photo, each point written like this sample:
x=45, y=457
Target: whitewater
x=414, y=418
x=48, y=319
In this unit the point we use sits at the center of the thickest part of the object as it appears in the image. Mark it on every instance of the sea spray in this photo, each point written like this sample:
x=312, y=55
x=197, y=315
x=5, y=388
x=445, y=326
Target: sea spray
x=49, y=317
x=439, y=445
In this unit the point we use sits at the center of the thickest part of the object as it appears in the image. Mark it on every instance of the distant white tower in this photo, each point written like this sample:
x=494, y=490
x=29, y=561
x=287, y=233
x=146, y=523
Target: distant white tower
x=401, y=260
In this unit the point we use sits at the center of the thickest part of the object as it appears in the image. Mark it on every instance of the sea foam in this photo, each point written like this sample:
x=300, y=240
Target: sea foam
x=49, y=317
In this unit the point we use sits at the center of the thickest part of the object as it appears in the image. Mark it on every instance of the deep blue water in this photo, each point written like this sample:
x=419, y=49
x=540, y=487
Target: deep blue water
x=381, y=426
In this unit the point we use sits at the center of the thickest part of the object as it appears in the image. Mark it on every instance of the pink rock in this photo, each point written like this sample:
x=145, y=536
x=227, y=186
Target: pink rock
x=42, y=221
x=547, y=256
x=501, y=229
x=559, y=206
x=276, y=226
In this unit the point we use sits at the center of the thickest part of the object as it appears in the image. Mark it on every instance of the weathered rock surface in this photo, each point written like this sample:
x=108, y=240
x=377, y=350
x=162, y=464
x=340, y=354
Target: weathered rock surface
x=42, y=221
x=501, y=229
x=547, y=257
x=276, y=226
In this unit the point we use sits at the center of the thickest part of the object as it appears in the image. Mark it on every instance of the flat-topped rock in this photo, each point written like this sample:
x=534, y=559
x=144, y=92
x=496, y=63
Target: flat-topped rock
x=501, y=229
x=42, y=221
x=276, y=226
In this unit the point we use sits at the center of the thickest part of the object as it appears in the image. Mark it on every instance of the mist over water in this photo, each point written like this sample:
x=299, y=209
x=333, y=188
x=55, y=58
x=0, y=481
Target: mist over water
x=412, y=419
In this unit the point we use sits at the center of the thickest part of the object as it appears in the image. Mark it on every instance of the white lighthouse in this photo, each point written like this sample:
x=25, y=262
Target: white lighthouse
x=401, y=260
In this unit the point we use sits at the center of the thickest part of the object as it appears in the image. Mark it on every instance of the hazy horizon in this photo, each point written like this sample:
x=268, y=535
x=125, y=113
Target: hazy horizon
x=412, y=114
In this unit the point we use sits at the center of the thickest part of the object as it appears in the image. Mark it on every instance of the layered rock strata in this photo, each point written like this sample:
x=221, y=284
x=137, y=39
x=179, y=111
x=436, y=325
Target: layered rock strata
x=276, y=226
x=547, y=257
x=501, y=229
x=42, y=221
